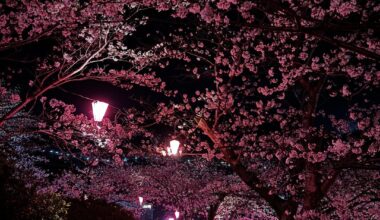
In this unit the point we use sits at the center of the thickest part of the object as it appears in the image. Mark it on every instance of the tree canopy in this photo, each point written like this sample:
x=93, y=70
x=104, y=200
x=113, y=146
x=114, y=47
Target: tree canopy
x=283, y=94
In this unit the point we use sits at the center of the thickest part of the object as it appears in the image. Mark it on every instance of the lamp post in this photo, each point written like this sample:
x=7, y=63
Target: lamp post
x=174, y=147
x=99, y=110
x=141, y=199
x=174, y=150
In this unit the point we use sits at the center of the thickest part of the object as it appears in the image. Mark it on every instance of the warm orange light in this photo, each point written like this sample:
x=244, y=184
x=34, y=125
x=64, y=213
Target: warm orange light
x=99, y=110
x=174, y=147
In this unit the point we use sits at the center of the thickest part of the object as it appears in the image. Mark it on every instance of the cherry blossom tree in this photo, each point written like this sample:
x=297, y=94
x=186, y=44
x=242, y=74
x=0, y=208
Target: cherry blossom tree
x=89, y=35
x=191, y=186
x=285, y=92
x=283, y=140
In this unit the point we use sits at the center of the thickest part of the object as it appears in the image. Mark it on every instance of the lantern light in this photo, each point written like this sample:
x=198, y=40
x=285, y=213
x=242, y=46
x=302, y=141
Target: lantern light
x=174, y=147
x=176, y=214
x=141, y=199
x=99, y=110
x=169, y=151
x=147, y=206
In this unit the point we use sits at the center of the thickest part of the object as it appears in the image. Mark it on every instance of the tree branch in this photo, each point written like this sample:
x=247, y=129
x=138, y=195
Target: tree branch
x=250, y=178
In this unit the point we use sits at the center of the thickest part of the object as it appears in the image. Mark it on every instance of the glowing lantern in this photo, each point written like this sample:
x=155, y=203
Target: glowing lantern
x=176, y=214
x=99, y=110
x=141, y=199
x=169, y=151
x=174, y=147
x=148, y=206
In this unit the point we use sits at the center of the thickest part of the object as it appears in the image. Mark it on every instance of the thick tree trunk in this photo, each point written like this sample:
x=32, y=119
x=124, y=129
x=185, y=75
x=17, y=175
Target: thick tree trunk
x=214, y=208
x=285, y=209
x=312, y=178
x=312, y=188
x=286, y=217
x=212, y=212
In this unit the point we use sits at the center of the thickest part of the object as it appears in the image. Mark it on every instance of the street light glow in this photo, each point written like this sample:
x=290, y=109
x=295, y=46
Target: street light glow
x=99, y=110
x=148, y=206
x=169, y=151
x=174, y=147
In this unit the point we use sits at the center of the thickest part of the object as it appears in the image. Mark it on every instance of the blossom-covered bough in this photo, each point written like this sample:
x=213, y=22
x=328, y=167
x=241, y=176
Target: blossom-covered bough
x=191, y=186
x=285, y=92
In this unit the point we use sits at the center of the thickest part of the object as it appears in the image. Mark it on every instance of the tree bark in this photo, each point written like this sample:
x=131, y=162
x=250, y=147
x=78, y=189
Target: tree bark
x=285, y=209
x=313, y=192
x=212, y=212
x=312, y=187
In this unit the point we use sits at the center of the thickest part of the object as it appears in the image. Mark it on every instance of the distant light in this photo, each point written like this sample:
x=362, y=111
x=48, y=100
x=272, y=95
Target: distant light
x=163, y=153
x=141, y=199
x=99, y=110
x=170, y=218
x=147, y=206
x=176, y=214
x=174, y=147
x=169, y=151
